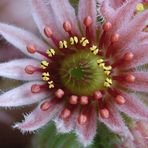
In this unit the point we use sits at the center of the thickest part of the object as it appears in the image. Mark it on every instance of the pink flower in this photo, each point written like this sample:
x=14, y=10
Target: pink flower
x=79, y=76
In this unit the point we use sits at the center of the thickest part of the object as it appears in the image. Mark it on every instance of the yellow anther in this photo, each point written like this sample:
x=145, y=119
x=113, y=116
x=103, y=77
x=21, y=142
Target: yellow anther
x=100, y=61
x=107, y=72
x=84, y=41
x=94, y=49
x=50, y=52
x=140, y=7
x=108, y=82
x=73, y=40
x=44, y=64
x=63, y=44
x=45, y=76
x=51, y=85
x=107, y=68
x=102, y=65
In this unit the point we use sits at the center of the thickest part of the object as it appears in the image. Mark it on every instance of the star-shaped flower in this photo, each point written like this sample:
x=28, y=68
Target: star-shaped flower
x=80, y=70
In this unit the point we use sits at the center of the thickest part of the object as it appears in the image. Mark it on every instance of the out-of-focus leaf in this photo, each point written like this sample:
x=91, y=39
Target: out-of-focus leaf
x=48, y=138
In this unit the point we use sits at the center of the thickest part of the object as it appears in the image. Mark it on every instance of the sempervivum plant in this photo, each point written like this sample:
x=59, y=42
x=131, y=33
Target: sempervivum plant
x=80, y=71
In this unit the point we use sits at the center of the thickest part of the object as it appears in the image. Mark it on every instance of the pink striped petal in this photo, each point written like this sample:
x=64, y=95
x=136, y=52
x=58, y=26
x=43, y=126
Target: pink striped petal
x=121, y=18
x=140, y=84
x=115, y=123
x=133, y=107
x=66, y=126
x=16, y=70
x=21, y=39
x=22, y=95
x=38, y=117
x=44, y=16
x=107, y=11
x=116, y=3
x=63, y=11
x=88, y=8
x=87, y=131
x=140, y=56
x=128, y=35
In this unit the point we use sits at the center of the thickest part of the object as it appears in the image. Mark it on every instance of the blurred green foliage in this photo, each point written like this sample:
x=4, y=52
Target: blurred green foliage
x=48, y=138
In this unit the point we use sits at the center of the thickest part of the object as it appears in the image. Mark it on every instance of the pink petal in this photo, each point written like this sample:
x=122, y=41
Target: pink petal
x=133, y=107
x=53, y=14
x=88, y=8
x=116, y=3
x=63, y=11
x=121, y=18
x=115, y=123
x=21, y=39
x=43, y=16
x=140, y=56
x=66, y=126
x=38, y=118
x=107, y=11
x=16, y=69
x=128, y=35
x=22, y=95
x=140, y=84
x=87, y=131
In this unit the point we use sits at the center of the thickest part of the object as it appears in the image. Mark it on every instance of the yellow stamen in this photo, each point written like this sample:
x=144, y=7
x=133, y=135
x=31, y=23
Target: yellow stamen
x=51, y=85
x=84, y=41
x=45, y=76
x=107, y=72
x=73, y=40
x=94, y=49
x=44, y=64
x=50, y=52
x=108, y=82
x=63, y=44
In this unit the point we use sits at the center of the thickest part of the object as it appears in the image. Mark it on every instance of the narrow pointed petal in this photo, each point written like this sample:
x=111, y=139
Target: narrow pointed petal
x=16, y=70
x=121, y=18
x=115, y=123
x=128, y=35
x=124, y=14
x=107, y=11
x=140, y=56
x=116, y=4
x=88, y=8
x=38, y=117
x=133, y=107
x=66, y=126
x=87, y=131
x=63, y=11
x=21, y=39
x=43, y=16
x=140, y=84
x=22, y=95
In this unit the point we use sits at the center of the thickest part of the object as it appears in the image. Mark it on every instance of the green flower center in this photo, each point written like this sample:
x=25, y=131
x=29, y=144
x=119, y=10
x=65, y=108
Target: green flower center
x=80, y=73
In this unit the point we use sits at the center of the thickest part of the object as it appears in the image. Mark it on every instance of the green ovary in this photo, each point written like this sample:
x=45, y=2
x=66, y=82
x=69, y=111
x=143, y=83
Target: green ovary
x=81, y=75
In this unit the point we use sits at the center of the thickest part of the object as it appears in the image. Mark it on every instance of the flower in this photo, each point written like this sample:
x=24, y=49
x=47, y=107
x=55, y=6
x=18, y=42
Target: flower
x=85, y=70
